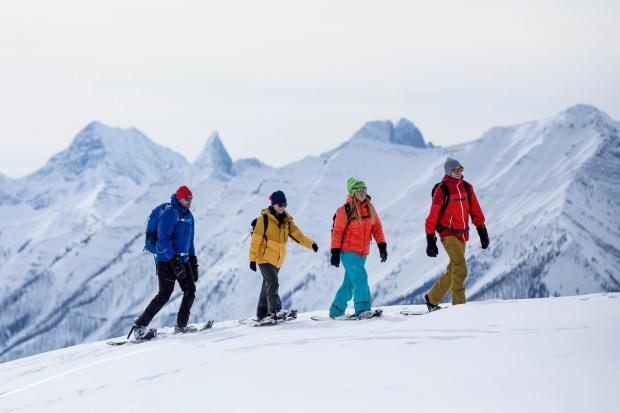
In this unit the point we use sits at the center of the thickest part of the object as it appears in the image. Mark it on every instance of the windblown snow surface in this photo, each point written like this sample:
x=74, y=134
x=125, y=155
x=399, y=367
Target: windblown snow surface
x=535, y=355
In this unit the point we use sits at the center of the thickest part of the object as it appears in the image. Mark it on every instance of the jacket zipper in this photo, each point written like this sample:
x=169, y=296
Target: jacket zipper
x=461, y=204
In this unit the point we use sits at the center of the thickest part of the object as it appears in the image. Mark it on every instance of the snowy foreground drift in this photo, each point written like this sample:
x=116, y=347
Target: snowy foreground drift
x=552, y=355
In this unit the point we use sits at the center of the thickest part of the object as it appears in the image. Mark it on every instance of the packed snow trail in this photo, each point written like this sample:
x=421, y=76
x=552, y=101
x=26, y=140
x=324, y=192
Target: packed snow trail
x=552, y=355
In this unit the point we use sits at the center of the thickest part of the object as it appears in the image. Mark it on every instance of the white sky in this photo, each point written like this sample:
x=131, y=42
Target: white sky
x=283, y=79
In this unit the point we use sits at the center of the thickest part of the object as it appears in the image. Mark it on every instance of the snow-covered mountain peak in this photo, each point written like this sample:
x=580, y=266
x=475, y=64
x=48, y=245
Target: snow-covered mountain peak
x=404, y=133
x=583, y=111
x=73, y=267
x=375, y=130
x=583, y=116
x=244, y=164
x=214, y=158
x=101, y=153
x=127, y=151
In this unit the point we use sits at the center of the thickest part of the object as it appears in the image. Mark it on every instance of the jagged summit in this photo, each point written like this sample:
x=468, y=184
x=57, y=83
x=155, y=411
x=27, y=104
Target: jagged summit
x=214, y=158
x=126, y=152
x=404, y=133
x=101, y=153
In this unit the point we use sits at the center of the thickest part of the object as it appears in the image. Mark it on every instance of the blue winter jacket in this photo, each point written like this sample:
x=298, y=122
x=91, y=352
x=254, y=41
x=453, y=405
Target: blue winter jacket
x=175, y=232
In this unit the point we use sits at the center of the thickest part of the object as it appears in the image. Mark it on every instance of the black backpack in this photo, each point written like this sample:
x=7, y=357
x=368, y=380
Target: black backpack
x=265, y=223
x=446, y=199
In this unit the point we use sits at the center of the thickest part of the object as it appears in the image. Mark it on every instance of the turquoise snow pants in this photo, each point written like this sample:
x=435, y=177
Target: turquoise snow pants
x=354, y=285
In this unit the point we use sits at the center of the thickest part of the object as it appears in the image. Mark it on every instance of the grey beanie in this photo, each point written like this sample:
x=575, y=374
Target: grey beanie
x=450, y=164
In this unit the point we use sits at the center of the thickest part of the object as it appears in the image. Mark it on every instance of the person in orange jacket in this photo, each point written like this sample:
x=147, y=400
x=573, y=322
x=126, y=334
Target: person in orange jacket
x=449, y=216
x=355, y=223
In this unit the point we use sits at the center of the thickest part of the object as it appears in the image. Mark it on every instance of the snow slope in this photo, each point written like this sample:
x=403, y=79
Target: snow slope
x=535, y=355
x=72, y=267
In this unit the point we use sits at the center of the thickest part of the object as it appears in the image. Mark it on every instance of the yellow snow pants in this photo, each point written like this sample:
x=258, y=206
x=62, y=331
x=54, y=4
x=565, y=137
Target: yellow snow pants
x=454, y=277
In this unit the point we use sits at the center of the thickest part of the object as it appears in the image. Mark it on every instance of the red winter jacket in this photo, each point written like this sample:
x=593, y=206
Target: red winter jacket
x=456, y=214
x=358, y=232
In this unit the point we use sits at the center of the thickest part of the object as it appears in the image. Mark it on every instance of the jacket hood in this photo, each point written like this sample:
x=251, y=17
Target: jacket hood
x=175, y=202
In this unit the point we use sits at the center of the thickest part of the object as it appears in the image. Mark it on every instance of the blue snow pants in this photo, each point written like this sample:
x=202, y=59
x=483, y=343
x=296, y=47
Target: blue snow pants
x=354, y=285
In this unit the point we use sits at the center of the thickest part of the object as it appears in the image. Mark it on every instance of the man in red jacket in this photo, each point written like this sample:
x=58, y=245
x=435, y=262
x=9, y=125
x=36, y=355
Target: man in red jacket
x=453, y=201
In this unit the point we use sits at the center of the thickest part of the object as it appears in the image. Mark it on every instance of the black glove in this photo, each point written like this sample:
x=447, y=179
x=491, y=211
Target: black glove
x=431, y=245
x=315, y=247
x=253, y=265
x=335, y=258
x=193, y=263
x=484, y=236
x=382, y=251
x=178, y=268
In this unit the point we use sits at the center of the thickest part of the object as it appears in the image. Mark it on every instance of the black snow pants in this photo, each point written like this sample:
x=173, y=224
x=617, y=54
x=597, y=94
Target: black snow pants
x=165, y=275
x=268, y=300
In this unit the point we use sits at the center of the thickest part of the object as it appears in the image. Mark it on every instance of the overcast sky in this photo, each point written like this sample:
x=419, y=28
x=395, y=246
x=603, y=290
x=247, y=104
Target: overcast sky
x=283, y=79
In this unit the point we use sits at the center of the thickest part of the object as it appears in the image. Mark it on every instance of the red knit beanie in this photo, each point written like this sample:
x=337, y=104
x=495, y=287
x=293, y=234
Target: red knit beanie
x=183, y=192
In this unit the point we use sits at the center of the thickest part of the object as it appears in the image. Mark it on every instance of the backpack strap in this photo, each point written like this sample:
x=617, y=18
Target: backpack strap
x=347, y=208
x=168, y=205
x=468, y=190
x=446, y=197
x=265, y=223
x=176, y=213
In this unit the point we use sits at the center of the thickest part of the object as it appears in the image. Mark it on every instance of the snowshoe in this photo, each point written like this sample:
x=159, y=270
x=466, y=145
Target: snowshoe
x=143, y=333
x=364, y=315
x=183, y=330
x=431, y=307
x=271, y=320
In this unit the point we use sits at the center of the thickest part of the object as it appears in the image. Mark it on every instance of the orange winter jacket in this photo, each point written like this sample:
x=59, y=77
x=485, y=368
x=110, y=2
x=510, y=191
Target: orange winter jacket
x=357, y=235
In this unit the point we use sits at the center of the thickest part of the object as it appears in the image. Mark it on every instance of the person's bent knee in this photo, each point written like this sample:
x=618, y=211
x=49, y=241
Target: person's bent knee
x=163, y=298
x=190, y=291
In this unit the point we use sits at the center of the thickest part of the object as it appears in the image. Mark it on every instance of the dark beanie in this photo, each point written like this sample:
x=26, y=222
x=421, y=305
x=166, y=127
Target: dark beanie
x=278, y=197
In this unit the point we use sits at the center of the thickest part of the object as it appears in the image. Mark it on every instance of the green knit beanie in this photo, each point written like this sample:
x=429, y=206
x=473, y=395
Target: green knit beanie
x=354, y=184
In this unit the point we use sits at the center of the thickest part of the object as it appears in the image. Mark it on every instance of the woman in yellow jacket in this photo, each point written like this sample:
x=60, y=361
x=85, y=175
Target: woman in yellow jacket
x=268, y=249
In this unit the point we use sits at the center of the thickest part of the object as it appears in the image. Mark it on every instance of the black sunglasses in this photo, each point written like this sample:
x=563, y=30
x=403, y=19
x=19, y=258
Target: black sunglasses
x=281, y=205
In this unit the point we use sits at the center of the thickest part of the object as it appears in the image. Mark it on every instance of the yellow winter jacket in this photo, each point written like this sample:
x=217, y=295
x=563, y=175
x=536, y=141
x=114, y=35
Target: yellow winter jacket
x=274, y=250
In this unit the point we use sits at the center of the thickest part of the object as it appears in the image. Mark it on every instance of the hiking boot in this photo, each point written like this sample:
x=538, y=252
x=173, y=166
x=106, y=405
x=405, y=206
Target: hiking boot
x=186, y=329
x=362, y=315
x=279, y=315
x=431, y=307
x=141, y=332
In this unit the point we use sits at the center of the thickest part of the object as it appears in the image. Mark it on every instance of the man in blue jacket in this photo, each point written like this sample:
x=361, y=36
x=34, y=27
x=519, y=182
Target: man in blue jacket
x=175, y=261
